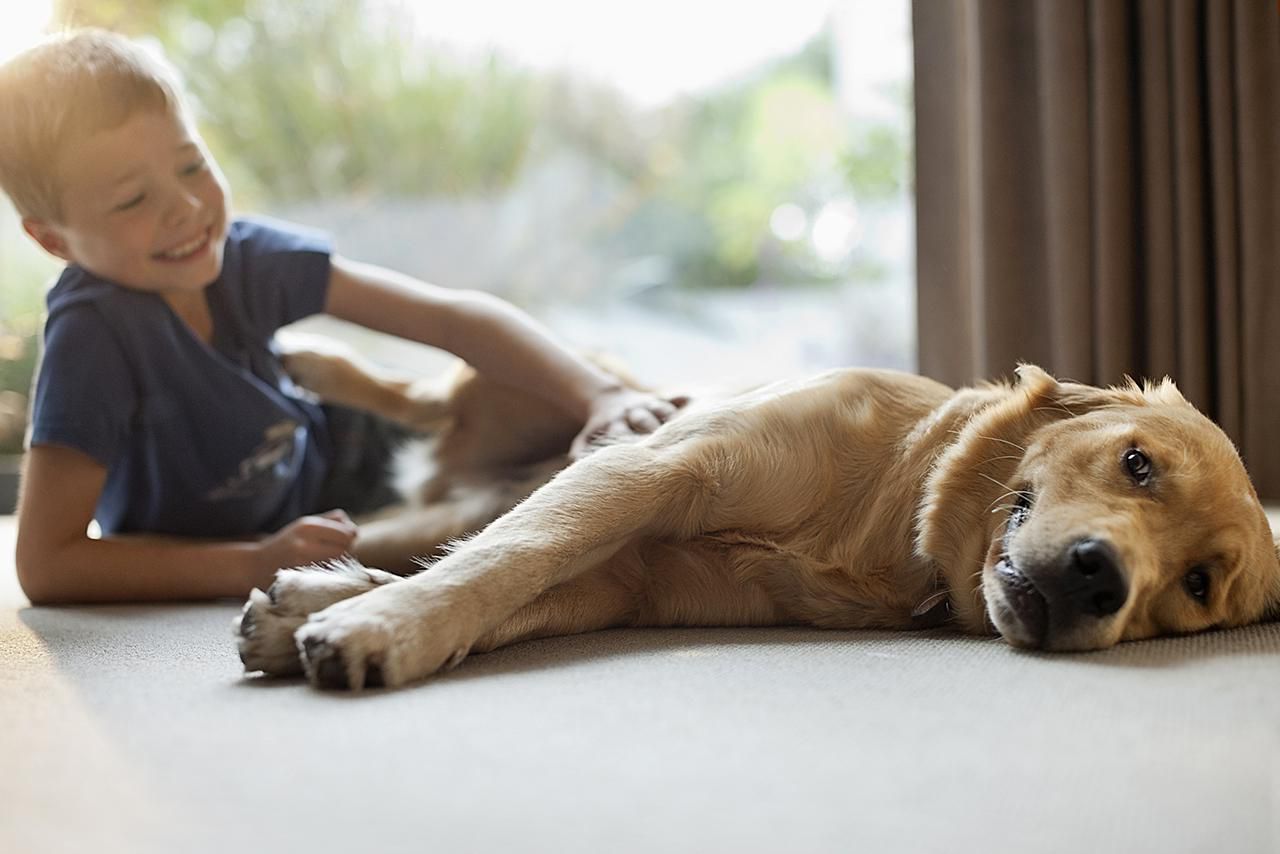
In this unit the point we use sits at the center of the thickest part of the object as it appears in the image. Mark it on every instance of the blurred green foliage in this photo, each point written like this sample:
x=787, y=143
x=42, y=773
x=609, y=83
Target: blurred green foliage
x=325, y=98
x=339, y=97
x=21, y=307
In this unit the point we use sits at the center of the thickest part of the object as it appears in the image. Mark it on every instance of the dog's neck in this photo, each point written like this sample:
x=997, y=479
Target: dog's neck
x=966, y=494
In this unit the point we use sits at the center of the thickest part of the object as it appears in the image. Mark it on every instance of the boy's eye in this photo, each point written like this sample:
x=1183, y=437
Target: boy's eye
x=131, y=203
x=193, y=168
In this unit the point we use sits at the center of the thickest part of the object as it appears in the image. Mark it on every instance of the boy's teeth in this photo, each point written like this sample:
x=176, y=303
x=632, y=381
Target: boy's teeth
x=186, y=248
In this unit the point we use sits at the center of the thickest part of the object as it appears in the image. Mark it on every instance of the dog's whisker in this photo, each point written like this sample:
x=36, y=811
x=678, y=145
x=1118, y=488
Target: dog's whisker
x=1021, y=493
x=998, y=483
x=1003, y=441
x=1002, y=498
x=959, y=430
x=1057, y=407
x=998, y=459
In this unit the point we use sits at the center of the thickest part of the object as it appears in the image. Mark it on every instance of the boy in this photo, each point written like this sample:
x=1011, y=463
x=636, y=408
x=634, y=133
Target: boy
x=160, y=407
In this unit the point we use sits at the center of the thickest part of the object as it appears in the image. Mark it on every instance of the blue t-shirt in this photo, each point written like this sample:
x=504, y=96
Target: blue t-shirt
x=198, y=439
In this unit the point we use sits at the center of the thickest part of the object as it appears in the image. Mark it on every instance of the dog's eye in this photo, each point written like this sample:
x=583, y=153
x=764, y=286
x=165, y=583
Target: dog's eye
x=1138, y=466
x=1021, y=510
x=1196, y=583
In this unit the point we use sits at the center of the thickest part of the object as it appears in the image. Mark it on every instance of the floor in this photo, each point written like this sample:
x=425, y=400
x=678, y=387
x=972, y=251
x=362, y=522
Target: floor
x=132, y=729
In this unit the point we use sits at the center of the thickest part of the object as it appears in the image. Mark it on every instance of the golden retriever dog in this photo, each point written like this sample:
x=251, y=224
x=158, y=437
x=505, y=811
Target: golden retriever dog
x=1061, y=516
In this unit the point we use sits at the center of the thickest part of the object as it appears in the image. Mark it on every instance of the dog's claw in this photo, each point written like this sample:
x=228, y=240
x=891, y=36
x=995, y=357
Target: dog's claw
x=324, y=665
x=331, y=672
x=246, y=625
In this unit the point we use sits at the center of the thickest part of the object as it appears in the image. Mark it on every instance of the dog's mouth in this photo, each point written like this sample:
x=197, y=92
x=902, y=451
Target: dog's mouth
x=1023, y=603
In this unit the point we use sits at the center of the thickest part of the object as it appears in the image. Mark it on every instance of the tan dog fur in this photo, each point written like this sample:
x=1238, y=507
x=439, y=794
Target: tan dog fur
x=855, y=499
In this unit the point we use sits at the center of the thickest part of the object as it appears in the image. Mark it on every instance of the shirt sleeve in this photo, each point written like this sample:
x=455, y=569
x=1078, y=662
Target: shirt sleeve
x=85, y=397
x=285, y=272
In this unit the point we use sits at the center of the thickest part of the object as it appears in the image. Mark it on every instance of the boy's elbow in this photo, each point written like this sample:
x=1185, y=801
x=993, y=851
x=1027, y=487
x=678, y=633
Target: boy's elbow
x=39, y=600
x=34, y=577
x=29, y=579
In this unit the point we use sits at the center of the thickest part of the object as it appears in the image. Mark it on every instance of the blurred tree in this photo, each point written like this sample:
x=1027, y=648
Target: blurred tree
x=332, y=97
x=20, y=316
x=726, y=160
x=876, y=160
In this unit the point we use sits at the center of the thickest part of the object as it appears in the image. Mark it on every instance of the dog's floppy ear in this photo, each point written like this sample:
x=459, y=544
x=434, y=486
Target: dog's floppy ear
x=1039, y=389
x=1034, y=380
x=1163, y=392
x=1080, y=398
x=1271, y=608
x=1033, y=375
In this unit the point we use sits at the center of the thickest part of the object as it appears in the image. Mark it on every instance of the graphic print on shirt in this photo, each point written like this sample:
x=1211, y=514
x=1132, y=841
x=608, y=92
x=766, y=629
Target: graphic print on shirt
x=265, y=465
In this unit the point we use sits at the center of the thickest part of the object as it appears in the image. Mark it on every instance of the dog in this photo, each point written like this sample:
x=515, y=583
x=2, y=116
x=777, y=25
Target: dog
x=1061, y=516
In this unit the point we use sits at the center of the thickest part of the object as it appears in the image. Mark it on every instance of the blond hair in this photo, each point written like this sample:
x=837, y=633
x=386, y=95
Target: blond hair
x=67, y=87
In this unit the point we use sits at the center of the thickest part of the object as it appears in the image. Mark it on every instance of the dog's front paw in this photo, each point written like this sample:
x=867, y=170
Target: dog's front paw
x=265, y=628
x=387, y=638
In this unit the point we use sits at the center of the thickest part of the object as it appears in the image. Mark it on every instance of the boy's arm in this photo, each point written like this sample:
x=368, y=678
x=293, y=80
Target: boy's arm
x=58, y=563
x=495, y=338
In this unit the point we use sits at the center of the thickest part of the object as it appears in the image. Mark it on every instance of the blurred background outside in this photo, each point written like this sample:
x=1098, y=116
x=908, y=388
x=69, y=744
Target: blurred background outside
x=715, y=192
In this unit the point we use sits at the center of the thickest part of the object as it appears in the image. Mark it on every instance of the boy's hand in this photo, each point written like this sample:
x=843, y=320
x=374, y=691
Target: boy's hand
x=310, y=539
x=621, y=413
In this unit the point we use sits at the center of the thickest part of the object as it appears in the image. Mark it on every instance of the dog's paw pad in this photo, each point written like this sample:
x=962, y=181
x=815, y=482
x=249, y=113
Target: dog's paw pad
x=264, y=637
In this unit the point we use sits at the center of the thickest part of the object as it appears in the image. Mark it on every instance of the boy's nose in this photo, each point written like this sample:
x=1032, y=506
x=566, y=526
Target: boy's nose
x=183, y=205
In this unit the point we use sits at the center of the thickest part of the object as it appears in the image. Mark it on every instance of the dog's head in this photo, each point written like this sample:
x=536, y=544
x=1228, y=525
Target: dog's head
x=1132, y=520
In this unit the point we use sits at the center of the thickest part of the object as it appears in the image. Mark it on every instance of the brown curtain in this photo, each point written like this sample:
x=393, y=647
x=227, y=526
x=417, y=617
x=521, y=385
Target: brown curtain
x=1098, y=192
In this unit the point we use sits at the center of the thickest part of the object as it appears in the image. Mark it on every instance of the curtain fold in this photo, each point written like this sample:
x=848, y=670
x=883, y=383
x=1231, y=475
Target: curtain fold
x=1098, y=192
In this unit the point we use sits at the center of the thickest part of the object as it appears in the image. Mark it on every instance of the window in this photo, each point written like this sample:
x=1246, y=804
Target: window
x=713, y=192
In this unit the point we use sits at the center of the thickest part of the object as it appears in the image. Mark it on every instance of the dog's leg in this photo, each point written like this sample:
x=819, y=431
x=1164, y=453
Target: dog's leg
x=395, y=540
x=588, y=603
x=337, y=374
x=264, y=630
x=577, y=521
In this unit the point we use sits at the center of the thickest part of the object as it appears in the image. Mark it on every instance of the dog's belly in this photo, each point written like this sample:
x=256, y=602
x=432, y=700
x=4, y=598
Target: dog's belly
x=809, y=514
x=692, y=583
x=730, y=579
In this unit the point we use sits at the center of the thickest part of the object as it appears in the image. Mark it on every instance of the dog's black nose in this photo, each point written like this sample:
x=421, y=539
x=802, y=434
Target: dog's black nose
x=1098, y=586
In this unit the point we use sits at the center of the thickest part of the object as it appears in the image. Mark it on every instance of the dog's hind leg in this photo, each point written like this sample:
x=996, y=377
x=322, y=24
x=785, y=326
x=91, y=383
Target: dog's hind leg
x=576, y=522
x=336, y=373
x=401, y=543
x=402, y=540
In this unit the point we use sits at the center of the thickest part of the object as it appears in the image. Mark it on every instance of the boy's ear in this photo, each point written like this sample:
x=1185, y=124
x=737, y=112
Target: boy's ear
x=48, y=236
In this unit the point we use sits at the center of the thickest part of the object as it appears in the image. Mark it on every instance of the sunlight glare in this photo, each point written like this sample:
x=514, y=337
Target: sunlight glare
x=653, y=51
x=24, y=24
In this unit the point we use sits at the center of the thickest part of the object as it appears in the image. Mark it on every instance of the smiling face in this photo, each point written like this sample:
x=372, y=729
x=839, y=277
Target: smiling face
x=144, y=206
x=1129, y=522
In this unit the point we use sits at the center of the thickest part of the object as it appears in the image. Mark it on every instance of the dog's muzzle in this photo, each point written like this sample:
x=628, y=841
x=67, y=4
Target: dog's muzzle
x=1057, y=604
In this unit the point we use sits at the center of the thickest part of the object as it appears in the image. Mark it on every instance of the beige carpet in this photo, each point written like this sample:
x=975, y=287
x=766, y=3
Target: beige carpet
x=131, y=729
